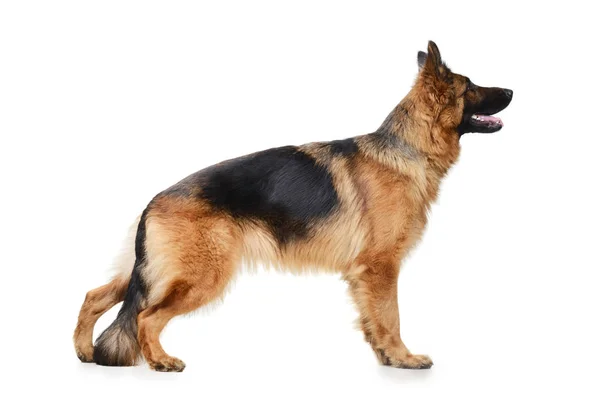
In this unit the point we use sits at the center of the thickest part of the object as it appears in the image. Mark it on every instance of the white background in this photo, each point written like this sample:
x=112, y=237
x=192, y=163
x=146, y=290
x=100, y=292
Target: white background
x=104, y=104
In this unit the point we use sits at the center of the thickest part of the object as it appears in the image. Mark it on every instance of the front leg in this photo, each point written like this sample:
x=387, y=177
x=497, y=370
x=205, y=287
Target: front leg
x=374, y=287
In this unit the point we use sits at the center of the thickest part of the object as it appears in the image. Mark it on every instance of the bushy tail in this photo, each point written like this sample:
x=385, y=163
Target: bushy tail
x=118, y=344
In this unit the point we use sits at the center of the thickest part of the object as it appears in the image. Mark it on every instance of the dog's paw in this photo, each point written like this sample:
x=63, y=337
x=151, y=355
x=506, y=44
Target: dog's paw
x=415, y=362
x=86, y=355
x=168, y=364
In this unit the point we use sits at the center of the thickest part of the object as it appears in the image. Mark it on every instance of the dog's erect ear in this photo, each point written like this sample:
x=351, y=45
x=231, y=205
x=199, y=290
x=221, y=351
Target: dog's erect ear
x=432, y=60
x=433, y=54
x=421, y=59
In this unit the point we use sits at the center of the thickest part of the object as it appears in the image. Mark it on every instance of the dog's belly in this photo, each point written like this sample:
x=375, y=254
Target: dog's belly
x=330, y=246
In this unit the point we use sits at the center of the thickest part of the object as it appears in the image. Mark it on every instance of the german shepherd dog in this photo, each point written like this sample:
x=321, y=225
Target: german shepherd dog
x=354, y=207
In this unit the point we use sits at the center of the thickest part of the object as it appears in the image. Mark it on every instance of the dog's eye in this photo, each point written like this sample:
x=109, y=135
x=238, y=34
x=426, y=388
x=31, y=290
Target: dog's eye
x=467, y=88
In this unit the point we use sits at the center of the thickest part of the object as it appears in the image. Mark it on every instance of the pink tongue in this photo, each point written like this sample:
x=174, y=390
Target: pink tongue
x=488, y=119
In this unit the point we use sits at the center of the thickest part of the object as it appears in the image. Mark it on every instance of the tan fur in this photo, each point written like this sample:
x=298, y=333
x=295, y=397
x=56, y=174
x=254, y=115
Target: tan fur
x=192, y=254
x=97, y=302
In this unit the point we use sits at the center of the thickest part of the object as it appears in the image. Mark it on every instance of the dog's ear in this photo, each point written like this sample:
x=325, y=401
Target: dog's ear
x=421, y=59
x=432, y=60
x=434, y=55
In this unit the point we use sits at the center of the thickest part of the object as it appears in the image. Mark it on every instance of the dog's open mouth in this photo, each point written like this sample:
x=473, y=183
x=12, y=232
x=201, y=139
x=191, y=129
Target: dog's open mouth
x=487, y=122
x=480, y=108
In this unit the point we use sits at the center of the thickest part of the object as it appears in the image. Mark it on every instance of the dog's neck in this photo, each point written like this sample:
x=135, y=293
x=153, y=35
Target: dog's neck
x=415, y=127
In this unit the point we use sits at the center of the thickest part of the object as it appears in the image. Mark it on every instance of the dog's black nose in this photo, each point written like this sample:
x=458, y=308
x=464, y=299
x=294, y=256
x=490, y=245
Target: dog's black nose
x=508, y=93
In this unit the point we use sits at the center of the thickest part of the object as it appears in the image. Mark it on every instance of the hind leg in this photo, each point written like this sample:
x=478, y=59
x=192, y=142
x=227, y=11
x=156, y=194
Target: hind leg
x=190, y=262
x=184, y=297
x=97, y=302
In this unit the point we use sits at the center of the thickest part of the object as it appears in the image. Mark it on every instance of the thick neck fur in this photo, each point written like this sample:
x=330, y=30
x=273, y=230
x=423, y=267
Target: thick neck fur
x=416, y=140
x=417, y=124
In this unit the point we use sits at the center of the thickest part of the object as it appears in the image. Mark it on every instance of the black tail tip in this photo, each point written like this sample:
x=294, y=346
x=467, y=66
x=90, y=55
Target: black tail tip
x=116, y=347
x=118, y=359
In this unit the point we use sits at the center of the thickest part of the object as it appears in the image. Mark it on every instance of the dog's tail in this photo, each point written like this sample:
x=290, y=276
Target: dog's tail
x=118, y=344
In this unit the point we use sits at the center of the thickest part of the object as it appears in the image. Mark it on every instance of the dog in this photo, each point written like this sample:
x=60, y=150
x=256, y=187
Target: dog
x=354, y=207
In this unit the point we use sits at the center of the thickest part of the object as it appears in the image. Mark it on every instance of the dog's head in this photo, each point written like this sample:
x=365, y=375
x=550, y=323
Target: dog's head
x=457, y=103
